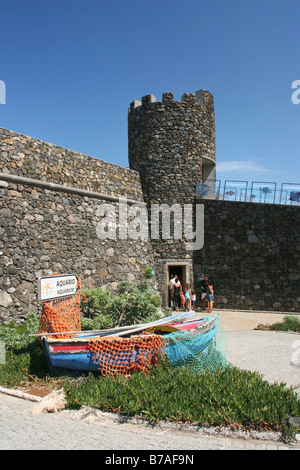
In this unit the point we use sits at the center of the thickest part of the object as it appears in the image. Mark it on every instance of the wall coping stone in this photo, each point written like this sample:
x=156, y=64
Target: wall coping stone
x=65, y=189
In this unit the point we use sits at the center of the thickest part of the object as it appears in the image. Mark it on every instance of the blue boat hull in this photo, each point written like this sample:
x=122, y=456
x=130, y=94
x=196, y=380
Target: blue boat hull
x=74, y=354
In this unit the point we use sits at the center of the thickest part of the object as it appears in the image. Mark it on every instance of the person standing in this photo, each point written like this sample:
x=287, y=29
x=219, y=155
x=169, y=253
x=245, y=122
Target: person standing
x=193, y=299
x=171, y=296
x=188, y=297
x=210, y=296
x=177, y=291
x=203, y=286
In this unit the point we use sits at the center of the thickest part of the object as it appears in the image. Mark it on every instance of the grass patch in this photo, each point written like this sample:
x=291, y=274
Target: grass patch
x=23, y=363
x=228, y=397
x=24, y=355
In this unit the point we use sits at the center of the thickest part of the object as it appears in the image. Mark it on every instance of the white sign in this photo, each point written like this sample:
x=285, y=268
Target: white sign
x=56, y=287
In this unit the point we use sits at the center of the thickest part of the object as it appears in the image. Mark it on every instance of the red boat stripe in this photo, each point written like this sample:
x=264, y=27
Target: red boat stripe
x=80, y=347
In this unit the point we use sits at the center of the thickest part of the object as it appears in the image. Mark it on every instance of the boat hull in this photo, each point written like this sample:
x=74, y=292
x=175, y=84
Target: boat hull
x=74, y=354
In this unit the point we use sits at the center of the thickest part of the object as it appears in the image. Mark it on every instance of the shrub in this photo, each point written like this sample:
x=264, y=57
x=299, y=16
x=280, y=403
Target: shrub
x=24, y=354
x=100, y=322
x=124, y=287
x=148, y=273
x=156, y=300
x=16, y=336
x=132, y=304
x=95, y=302
x=168, y=311
x=290, y=323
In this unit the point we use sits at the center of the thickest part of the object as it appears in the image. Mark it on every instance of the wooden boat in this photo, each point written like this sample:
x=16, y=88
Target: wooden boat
x=75, y=353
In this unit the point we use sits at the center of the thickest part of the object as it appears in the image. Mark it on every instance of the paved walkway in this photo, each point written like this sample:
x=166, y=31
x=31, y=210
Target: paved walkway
x=276, y=355
x=270, y=353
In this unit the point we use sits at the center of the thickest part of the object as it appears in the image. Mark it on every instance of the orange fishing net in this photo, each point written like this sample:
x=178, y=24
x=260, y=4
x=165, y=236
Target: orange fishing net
x=61, y=315
x=127, y=355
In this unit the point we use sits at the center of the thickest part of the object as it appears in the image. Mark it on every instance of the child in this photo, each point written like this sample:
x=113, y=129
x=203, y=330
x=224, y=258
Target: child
x=193, y=299
x=182, y=301
x=188, y=296
x=210, y=296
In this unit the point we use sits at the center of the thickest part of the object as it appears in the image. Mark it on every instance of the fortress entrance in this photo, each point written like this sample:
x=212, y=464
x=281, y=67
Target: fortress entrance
x=181, y=268
x=179, y=271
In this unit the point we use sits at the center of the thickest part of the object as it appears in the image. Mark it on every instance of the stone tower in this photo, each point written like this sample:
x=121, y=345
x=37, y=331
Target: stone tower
x=172, y=146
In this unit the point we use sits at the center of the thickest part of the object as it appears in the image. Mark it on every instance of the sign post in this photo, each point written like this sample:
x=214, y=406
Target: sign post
x=56, y=287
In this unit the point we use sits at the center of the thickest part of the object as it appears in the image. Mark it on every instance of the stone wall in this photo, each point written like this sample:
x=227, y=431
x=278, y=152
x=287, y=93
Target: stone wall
x=252, y=253
x=48, y=221
x=25, y=156
x=49, y=198
x=44, y=230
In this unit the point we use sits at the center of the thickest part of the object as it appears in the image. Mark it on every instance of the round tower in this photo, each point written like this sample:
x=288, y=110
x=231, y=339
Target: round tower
x=172, y=145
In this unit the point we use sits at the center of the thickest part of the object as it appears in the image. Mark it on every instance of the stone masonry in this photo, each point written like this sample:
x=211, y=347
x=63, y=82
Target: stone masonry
x=252, y=253
x=43, y=230
x=49, y=215
x=169, y=142
x=172, y=143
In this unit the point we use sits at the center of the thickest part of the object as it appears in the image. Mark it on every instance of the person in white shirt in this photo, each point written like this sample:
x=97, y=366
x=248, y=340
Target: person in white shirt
x=171, y=297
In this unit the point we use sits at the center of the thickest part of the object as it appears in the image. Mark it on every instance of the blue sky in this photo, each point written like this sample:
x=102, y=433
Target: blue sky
x=72, y=67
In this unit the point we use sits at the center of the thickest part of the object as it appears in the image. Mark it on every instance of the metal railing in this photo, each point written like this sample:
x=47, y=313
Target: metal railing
x=256, y=191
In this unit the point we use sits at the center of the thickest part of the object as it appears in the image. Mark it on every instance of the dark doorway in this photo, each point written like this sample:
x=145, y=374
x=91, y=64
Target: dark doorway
x=179, y=271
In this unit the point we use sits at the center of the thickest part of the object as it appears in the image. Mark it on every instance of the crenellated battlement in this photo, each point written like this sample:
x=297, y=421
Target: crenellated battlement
x=200, y=97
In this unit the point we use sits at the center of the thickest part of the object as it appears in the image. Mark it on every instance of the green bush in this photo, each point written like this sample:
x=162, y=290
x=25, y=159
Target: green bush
x=290, y=323
x=94, y=302
x=100, y=322
x=156, y=300
x=125, y=287
x=16, y=336
x=23, y=354
x=132, y=304
x=21, y=363
x=168, y=311
x=148, y=273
